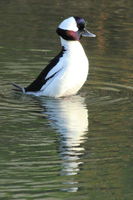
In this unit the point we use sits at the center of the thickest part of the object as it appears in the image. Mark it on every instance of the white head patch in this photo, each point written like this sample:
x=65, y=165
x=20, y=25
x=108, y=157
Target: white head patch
x=69, y=24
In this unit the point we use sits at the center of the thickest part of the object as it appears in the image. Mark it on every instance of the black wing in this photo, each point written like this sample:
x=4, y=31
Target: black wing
x=41, y=79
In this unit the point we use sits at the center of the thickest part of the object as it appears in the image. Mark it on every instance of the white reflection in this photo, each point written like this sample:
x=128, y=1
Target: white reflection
x=69, y=116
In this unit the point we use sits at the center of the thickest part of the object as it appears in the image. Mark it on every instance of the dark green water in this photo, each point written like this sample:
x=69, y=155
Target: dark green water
x=78, y=147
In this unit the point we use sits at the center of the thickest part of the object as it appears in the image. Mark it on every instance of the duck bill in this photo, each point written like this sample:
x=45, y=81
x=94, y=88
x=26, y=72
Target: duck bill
x=86, y=33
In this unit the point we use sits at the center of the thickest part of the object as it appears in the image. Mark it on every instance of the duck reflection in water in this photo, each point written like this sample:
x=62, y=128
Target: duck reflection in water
x=69, y=117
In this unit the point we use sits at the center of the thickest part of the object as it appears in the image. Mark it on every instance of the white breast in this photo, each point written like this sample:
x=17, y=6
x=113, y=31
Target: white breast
x=76, y=66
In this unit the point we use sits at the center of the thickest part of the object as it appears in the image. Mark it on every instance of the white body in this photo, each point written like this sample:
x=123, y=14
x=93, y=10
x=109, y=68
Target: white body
x=72, y=71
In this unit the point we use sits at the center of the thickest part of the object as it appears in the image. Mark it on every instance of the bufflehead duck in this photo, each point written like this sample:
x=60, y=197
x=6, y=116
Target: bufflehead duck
x=68, y=71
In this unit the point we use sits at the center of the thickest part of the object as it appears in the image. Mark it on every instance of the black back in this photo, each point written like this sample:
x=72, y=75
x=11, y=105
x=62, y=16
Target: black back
x=41, y=79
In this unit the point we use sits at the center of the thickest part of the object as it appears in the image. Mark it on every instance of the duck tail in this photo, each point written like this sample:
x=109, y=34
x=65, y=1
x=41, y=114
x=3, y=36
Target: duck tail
x=18, y=88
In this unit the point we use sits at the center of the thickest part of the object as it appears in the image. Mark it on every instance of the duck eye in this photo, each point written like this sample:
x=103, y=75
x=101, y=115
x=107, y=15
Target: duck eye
x=81, y=26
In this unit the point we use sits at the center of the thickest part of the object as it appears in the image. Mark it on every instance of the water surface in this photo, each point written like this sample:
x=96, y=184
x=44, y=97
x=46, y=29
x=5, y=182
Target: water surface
x=70, y=148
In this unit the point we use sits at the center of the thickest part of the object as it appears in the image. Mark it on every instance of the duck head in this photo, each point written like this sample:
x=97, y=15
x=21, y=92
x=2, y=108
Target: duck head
x=73, y=28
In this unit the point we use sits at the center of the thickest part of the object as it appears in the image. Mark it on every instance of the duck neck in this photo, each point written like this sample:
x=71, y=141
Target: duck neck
x=70, y=45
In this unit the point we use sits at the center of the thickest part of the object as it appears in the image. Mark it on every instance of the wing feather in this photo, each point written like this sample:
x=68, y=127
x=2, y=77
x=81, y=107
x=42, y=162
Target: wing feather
x=48, y=72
